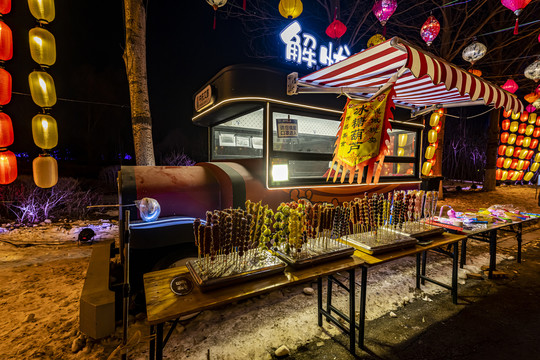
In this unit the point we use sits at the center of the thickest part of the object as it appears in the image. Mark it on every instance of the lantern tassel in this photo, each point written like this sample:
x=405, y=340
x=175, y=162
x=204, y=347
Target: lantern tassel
x=214, y=27
x=516, y=27
x=244, y=5
x=384, y=30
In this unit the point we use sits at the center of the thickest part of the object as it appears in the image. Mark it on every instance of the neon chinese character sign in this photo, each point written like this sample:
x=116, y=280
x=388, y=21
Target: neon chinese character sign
x=301, y=48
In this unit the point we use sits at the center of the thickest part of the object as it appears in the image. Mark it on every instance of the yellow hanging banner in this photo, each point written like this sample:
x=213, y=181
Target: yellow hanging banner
x=361, y=138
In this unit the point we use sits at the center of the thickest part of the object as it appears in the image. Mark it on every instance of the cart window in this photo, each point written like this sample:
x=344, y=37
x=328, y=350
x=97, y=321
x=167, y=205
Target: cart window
x=397, y=169
x=239, y=138
x=402, y=143
x=303, y=134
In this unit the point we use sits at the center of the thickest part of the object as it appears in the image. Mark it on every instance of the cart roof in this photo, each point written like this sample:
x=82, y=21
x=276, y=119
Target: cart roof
x=421, y=79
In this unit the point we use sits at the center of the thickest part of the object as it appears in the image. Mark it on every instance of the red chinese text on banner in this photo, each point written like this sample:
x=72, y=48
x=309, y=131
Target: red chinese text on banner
x=362, y=138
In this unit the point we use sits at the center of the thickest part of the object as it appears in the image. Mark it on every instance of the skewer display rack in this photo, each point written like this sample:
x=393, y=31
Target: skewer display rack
x=231, y=248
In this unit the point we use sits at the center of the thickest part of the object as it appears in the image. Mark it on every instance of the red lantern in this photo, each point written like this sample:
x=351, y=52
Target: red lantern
x=507, y=113
x=501, y=150
x=510, y=174
x=514, y=164
x=336, y=29
x=526, y=165
x=510, y=85
x=475, y=72
x=430, y=30
x=536, y=132
x=5, y=87
x=5, y=6
x=522, y=128
x=383, y=9
x=498, y=174
x=504, y=137
x=441, y=111
x=505, y=125
x=6, y=42
x=500, y=162
x=8, y=167
x=521, y=173
x=516, y=6
x=516, y=152
x=524, y=116
x=519, y=140
x=6, y=130
x=534, y=143
x=529, y=155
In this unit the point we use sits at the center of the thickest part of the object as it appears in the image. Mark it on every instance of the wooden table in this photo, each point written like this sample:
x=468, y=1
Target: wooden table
x=488, y=233
x=163, y=305
x=439, y=241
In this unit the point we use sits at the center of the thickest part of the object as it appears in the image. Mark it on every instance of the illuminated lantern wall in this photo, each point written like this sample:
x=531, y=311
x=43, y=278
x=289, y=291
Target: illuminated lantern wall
x=44, y=128
x=8, y=161
x=518, y=144
x=433, y=137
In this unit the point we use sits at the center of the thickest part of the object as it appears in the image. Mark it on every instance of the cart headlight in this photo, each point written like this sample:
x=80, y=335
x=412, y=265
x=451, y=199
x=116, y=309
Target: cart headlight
x=280, y=172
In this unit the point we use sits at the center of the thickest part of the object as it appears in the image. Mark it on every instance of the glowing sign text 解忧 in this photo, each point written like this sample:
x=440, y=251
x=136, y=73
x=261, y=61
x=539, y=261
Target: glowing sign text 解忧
x=302, y=48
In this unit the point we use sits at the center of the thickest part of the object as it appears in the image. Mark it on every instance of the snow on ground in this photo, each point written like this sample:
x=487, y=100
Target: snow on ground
x=40, y=286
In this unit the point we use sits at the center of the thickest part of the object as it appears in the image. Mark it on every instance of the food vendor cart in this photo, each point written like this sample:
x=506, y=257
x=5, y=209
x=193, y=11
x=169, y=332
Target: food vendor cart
x=265, y=145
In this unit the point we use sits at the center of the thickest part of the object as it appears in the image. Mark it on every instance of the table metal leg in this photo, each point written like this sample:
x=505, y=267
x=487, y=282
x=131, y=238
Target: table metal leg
x=362, y=316
x=328, y=294
x=418, y=270
x=352, y=308
x=159, y=342
x=519, y=239
x=319, y=301
x=455, y=273
x=463, y=259
x=152, y=349
x=424, y=261
x=492, y=252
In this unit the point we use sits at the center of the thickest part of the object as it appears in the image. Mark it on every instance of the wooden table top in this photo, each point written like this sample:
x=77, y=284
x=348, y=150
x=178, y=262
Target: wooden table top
x=163, y=305
x=438, y=240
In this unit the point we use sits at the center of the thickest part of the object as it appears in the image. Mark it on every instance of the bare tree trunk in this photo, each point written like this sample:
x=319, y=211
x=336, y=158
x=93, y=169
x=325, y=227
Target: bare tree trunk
x=491, y=150
x=135, y=61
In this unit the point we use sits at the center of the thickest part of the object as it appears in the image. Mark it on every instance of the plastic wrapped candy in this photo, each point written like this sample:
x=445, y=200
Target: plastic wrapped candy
x=149, y=208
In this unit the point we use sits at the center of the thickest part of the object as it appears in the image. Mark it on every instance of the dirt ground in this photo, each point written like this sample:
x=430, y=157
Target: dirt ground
x=40, y=286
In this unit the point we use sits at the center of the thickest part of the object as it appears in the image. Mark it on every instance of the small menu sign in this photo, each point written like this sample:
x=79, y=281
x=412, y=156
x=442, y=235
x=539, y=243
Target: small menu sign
x=287, y=128
x=204, y=98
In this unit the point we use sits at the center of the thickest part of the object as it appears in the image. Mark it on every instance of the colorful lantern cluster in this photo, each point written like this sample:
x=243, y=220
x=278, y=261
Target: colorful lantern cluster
x=383, y=9
x=516, y=6
x=215, y=4
x=8, y=161
x=44, y=129
x=519, y=141
x=430, y=30
x=433, y=137
x=290, y=9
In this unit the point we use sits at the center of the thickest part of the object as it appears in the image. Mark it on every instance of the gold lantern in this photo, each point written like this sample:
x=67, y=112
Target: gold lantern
x=44, y=131
x=426, y=168
x=532, y=118
x=520, y=165
x=527, y=142
x=290, y=9
x=432, y=136
x=402, y=140
x=515, y=116
x=430, y=152
x=42, y=46
x=514, y=126
x=42, y=88
x=504, y=175
x=535, y=166
x=516, y=175
x=42, y=10
x=45, y=169
x=528, y=176
x=400, y=151
x=434, y=119
x=512, y=139
x=537, y=157
x=529, y=130
x=507, y=163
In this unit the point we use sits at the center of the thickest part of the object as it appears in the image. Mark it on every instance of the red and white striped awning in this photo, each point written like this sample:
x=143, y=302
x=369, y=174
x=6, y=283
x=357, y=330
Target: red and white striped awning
x=421, y=79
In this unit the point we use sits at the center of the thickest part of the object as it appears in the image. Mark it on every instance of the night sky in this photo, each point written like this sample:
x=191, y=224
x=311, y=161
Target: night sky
x=183, y=53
